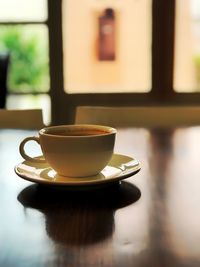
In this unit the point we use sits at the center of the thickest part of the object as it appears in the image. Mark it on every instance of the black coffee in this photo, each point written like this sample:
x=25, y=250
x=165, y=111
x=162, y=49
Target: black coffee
x=84, y=132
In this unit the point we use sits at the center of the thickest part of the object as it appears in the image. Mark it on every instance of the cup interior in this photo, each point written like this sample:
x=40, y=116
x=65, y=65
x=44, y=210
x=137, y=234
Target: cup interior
x=78, y=130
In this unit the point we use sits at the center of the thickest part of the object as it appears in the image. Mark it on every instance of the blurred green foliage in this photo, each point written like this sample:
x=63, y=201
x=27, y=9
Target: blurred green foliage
x=197, y=70
x=28, y=49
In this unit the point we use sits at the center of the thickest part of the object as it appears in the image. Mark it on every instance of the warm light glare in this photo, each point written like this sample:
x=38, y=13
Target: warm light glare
x=124, y=36
x=23, y=10
x=187, y=46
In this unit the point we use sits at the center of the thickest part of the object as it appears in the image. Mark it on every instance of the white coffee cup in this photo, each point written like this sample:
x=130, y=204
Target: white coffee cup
x=74, y=150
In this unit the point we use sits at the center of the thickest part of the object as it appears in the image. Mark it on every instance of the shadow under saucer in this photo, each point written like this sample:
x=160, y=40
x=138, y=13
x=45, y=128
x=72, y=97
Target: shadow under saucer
x=115, y=196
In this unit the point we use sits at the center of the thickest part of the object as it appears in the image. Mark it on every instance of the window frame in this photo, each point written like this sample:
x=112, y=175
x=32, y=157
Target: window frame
x=63, y=105
x=163, y=25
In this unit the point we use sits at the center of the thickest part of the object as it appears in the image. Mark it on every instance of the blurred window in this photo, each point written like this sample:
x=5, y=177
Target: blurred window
x=107, y=46
x=24, y=36
x=187, y=46
x=23, y=10
x=130, y=52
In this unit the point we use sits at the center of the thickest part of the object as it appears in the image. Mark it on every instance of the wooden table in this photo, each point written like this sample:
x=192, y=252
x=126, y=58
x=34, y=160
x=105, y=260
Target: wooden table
x=151, y=219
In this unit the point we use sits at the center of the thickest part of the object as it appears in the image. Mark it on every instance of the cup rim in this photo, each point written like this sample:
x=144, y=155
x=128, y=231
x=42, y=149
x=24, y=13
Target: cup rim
x=108, y=130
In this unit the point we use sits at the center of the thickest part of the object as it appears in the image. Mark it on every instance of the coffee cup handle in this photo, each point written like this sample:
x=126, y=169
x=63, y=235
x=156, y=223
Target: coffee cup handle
x=23, y=153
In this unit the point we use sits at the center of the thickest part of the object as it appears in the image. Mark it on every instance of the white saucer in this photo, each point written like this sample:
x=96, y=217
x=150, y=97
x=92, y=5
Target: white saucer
x=119, y=168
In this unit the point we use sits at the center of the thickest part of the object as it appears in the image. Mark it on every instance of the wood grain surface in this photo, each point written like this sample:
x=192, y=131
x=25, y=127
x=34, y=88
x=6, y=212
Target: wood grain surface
x=150, y=219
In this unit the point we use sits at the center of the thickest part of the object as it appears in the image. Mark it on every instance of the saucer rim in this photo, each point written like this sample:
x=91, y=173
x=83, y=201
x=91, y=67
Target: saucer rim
x=123, y=175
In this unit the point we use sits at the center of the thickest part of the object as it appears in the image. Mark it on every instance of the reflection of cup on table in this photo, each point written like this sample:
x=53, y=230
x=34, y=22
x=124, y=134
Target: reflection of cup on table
x=74, y=150
x=79, y=217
